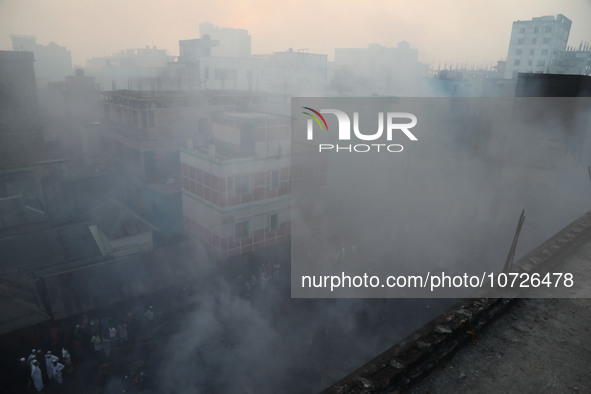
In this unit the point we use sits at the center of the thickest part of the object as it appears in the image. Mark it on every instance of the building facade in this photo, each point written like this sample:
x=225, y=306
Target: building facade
x=573, y=61
x=378, y=70
x=232, y=42
x=21, y=137
x=52, y=61
x=236, y=189
x=119, y=70
x=535, y=43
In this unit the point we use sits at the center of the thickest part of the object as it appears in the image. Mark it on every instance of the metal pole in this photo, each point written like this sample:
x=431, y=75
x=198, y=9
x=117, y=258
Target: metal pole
x=509, y=261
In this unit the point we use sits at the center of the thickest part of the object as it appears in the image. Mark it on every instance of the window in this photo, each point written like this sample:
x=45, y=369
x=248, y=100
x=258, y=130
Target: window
x=518, y=52
x=520, y=41
x=532, y=52
x=541, y=63
x=273, y=222
x=522, y=30
x=241, y=230
x=536, y=30
x=275, y=180
x=548, y=29
x=547, y=40
x=544, y=52
x=530, y=62
x=516, y=63
x=242, y=184
x=534, y=40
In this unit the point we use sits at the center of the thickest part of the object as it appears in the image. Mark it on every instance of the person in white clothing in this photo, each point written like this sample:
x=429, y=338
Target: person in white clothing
x=65, y=355
x=96, y=341
x=67, y=360
x=49, y=359
x=36, y=376
x=57, y=371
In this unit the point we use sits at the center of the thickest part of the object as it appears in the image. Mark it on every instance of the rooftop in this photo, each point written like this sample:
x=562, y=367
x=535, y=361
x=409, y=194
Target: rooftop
x=491, y=345
x=536, y=346
x=52, y=247
x=117, y=221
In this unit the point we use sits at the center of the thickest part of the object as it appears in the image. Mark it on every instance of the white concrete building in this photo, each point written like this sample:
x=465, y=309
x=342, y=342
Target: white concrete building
x=535, y=43
x=232, y=42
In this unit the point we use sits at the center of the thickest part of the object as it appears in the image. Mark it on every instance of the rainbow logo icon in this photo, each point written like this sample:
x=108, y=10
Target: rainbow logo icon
x=313, y=115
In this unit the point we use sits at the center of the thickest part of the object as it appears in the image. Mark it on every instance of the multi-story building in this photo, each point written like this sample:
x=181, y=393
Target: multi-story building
x=200, y=68
x=221, y=60
x=116, y=71
x=143, y=132
x=232, y=42
x=297, y=73
x=190, y=51
x=378, y=69
x=236, y=188
x=52, y=62
x=21, y=138
x=573, y=61
x=535, y=43
x=66, y=108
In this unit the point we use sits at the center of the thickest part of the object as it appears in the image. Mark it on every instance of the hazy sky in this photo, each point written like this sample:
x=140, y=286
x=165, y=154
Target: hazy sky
x=463, y=31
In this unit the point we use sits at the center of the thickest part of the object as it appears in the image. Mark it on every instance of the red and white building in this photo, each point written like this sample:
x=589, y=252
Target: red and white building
x=236, y=188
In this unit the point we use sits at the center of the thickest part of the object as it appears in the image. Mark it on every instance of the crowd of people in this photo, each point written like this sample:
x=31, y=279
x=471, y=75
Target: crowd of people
x=38, y=369
x=103, y=348
x=91, y=339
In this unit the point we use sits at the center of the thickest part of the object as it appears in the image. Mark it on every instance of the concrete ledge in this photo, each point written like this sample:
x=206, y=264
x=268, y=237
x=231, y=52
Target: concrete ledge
x=549, y=253
x=416, y=355
x=421, y=351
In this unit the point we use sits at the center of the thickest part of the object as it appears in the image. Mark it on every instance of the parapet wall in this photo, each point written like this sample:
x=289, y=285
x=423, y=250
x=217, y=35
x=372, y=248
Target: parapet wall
x=412, y=358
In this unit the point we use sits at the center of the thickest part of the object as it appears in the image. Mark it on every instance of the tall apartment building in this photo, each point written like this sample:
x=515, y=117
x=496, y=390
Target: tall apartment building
x=535, y=43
